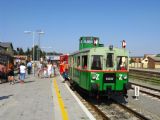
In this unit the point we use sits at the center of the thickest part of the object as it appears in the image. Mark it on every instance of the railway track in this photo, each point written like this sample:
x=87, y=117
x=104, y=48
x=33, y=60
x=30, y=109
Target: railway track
x=96, y=112
x=109, y=109
x=148, y=76
x=145, y=78
x=148, y=90
x=145, y=72
x=112, y=110
x=137, y=114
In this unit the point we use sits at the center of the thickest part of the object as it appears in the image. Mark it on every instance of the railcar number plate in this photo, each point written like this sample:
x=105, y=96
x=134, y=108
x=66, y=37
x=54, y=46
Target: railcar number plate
x=109, y=77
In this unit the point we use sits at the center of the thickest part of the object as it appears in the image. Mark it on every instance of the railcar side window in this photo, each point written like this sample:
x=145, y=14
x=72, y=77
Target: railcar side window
x=84, y=61
x=122, y=63
x=109, y=61
x=78, y=61
x=96, y=62
x=72, y=61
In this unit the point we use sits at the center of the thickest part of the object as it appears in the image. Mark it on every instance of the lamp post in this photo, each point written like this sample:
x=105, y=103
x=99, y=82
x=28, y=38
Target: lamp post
x=38, y=50
x=33, y=36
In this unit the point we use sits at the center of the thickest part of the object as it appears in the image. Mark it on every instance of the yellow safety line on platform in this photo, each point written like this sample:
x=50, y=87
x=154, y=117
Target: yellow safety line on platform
x=60, y=101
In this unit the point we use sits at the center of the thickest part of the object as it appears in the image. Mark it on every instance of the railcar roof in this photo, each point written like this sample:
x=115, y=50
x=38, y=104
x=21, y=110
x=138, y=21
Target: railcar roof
x=98, y=48
x=79, y=51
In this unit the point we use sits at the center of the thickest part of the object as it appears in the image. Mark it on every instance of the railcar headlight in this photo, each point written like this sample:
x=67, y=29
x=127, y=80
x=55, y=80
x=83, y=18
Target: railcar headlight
x=125, y=77
x=93, y=76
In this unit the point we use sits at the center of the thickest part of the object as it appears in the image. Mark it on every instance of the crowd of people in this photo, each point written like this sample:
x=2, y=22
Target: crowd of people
x=46, y=69
x=42, y=69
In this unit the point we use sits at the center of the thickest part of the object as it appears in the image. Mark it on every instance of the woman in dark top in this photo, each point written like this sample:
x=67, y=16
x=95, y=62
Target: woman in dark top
x=11, y=75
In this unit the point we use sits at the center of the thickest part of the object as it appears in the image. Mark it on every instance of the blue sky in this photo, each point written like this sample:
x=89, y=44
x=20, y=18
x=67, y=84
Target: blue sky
x=64, y=21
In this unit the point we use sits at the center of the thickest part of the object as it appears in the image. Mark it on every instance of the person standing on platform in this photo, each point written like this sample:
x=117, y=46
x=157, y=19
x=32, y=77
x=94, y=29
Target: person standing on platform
x=29, y=67
x=40, y=67
x=45, y=73
x=22, y=72
x=11, y=74
x=54, y=68
x=2, y=72
x=49, y=69
x=52, y=71
x=62, y=70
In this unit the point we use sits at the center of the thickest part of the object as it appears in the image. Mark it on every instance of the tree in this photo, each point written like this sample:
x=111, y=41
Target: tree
x=28, y=52
x=131, y=61
x=158, y=55
x=43, y=54
x=21, y=51
x=35, y=52
x=15, y=52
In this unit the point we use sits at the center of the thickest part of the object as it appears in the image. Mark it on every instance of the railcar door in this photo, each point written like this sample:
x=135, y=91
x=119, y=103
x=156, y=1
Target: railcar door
x=84, y=75
x=96, y=72
x=122, y=75
x=109, y=76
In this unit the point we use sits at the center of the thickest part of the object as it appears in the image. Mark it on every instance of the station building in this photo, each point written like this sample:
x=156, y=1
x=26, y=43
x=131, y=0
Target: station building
x=154, y=62
x=6, y=47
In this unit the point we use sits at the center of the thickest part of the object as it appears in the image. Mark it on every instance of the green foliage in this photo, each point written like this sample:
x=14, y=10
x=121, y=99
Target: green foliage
x=21, y=51
x=28, y=52
x=37, y=52
x=131, y=61
x=15, y=52
x=158, y=55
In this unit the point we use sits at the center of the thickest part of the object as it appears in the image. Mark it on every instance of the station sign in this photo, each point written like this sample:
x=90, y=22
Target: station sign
x=136, y=92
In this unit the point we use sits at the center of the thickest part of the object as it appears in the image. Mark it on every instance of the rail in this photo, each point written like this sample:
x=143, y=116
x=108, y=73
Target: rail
x=148, y=76
x=138, y=115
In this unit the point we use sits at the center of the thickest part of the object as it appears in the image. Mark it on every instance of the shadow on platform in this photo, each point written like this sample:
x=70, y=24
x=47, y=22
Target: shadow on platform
x=18, y=81
x=29, y=81
x=5, y=97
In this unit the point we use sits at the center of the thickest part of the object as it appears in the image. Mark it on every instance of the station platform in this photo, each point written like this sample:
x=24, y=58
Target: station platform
x=41, y=99
x=66, y=105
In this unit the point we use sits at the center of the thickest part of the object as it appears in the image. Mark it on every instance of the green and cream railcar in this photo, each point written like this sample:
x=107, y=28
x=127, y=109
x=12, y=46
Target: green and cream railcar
x=96, y=68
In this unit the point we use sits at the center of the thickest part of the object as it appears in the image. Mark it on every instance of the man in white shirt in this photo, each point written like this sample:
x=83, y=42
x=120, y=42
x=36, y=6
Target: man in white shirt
x=22, y=72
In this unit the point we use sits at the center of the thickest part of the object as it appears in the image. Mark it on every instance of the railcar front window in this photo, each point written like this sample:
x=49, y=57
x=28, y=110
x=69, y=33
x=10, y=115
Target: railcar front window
x=122, y=63
x=96, y=62
x=109, y=61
